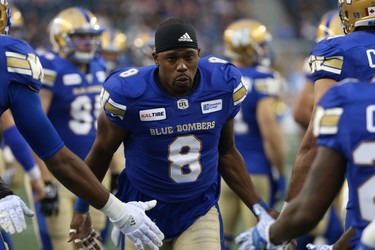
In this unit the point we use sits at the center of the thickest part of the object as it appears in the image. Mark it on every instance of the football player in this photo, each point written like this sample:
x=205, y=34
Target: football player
x=113, y=48
x=73, y=78
x=345, y=128
x=175, y=119
x=21, y=74
x=330, y=227
x=329, y=26
x=258, y=135
x=333, y=60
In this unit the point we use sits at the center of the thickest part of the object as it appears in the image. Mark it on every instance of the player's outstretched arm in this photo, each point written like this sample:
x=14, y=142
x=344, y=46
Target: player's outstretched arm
x=307, y=150
x=233, y=170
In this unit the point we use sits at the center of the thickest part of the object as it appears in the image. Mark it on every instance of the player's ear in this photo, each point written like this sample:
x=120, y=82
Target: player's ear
x=155, y=56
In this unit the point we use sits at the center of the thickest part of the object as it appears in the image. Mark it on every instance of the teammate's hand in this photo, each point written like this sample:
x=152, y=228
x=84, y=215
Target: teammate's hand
x=12, y=211
x=137, y=226
x=318, y=247
x=82, y=232
x=257, y=238
x=50, y=202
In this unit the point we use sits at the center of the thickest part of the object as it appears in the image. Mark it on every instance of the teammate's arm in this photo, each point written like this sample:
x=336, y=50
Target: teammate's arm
x=307, y=149
x=322, y=185
x=304, y=105
x=233, y=169
x=271, y=133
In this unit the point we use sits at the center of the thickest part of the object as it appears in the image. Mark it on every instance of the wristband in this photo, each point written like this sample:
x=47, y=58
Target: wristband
x=113, y=208
x=34, y=173
x=81, y=206
x=262, y=203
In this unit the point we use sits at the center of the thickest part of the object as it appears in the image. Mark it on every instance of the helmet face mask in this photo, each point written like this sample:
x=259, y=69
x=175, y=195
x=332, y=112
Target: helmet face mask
x=356, y=13
x=247, y=40
x=75, y=34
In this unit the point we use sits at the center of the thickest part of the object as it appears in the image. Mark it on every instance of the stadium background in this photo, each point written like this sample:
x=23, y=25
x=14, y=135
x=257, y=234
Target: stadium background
x=292, y=24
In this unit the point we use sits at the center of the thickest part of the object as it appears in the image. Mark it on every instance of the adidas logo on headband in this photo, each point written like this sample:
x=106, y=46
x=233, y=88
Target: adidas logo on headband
x=185, y=38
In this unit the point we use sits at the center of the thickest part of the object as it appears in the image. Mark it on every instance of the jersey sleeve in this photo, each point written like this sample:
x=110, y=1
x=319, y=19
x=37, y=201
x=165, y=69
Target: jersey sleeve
x=234, y=77
x=119, y=91
x=268, y=86
x=326, y=124
x=326, y=61
x=50, y=73
x=32, y=122
x=22, y=65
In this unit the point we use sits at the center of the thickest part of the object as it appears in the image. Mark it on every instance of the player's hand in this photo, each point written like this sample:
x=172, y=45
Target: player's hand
x=257, y=238
x=137, y=226
x=318, y=247
x=12, y=211
x=50, y=202
x=82, y=232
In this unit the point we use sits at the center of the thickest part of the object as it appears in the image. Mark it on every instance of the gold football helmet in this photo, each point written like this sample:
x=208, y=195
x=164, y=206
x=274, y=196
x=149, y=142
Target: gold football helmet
x=355, y=13
x=72, y=29
x=246, y=40
x=16, y=23
x=4, y=17
x=113, y=47
x=16, y=19
x=330, y=25
x=142, y=47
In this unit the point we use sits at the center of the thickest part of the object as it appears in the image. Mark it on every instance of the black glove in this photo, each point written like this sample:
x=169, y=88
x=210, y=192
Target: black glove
x=50, y=203
x=114, y=183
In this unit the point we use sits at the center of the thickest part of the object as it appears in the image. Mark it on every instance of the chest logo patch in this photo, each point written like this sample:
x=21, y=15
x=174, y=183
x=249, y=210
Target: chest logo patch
x=152, y=114
x=182, y=104
x=212, y=106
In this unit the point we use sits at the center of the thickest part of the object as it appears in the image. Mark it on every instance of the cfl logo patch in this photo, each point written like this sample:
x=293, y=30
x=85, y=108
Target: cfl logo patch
x=182, y=104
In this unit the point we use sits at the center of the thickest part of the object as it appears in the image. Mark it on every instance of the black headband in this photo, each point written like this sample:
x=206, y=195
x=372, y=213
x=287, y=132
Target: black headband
x=174, y=36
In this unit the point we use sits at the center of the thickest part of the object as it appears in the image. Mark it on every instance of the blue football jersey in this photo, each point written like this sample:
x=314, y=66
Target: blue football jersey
x=345, y=121
x=340, y=57
x=18, y=63
x=76, y=100
x=172, y=148
x=261, y=83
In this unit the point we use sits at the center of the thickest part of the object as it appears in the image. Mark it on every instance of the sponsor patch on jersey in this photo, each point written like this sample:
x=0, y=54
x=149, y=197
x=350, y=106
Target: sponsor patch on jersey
x=212, y=106
x=152, y=114
x=182, y=104
x=72, y=79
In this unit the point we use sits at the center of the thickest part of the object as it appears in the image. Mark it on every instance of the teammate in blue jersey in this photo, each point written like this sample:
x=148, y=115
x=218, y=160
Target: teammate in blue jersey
x=333, y=60
x=258, y=135
x=20, y=76
x=73, y=77
x=175, y=120
x=331, y=226
x=345, y=128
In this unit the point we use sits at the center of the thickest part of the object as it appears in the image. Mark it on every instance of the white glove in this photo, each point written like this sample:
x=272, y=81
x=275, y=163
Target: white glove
x=12, y=210
x=257, y=238
x=318, y=247
x=130, y=218
x=116, y=236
